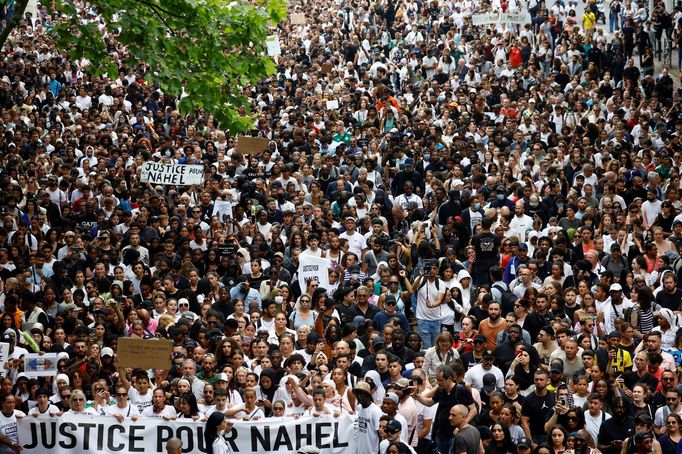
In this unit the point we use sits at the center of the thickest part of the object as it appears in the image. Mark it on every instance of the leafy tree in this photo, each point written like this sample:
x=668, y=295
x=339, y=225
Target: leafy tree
x=209, y=50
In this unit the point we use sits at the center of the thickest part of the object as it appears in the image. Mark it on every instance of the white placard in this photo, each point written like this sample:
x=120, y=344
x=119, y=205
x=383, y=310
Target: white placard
x=171, y=174
x=4, y=357
x=313, y=267
x=333, y=104
x=273, y=46
x=37, y=365
x=222, y=208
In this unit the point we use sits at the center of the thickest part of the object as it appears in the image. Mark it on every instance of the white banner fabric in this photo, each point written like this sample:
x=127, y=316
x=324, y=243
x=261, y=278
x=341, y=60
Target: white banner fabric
x=104, y=434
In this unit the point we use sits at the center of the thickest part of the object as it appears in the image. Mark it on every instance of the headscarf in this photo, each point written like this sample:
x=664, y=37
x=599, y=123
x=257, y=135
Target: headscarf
x=272, y=375
x=379, y=391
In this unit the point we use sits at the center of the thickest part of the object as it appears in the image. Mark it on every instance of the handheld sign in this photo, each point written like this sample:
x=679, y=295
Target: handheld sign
x=144, y=353
x=171, y=174
x=36, y=365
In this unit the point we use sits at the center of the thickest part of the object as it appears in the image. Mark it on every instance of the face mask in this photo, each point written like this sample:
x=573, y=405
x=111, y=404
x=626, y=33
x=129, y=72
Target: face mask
x=559, y=205
x=477, y=206
x=500, y=196
x=427, y=157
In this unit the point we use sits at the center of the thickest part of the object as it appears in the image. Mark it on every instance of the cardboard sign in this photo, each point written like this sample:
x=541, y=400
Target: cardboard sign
x=251, y=145
x=298, y=19
x=171, y=174
x=144, y=353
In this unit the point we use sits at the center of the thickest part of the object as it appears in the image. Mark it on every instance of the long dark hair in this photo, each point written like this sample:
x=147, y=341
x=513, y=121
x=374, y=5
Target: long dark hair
x=211, y=432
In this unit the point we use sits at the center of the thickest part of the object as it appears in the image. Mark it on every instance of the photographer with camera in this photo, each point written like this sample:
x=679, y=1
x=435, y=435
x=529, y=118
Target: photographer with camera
x=430, y=297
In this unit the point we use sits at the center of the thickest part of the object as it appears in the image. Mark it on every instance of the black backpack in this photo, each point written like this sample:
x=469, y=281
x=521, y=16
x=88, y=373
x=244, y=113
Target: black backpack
x=507, y=300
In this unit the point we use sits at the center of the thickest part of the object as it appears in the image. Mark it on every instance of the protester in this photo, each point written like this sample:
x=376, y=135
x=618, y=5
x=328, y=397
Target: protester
x=496, y=183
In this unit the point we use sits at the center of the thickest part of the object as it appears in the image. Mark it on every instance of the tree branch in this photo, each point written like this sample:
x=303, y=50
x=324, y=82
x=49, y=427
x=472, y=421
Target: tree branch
x=157, y=10
x=18, y=15
x=163, y=10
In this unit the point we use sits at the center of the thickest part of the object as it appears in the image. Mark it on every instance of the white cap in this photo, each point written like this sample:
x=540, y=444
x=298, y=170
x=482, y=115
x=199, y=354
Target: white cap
x=106, y=351
x=615, y=288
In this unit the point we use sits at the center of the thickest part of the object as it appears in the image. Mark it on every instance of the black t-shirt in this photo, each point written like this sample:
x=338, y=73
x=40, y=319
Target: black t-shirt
x=459, y=394
x=536, y=408
x=614, y=429
x=670, y=301
x=487, y=246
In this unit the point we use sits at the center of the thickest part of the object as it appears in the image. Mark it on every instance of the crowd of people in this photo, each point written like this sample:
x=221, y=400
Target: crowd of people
x=500, y=205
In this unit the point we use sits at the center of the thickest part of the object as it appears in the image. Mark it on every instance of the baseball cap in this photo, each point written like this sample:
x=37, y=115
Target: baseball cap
x=222, y=377
x=106, y=351
x=488, y=354
x=362, y=387
x=379, y=341
x=489, y=382
x=393, y=396
x=402, y=383
x=480, y=338
x=393, y=427
x=615, y=288
x=523, y=443
x=556, y=367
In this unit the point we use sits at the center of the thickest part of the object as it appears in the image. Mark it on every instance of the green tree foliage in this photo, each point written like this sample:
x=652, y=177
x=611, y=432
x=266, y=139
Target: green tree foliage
x=210, y=49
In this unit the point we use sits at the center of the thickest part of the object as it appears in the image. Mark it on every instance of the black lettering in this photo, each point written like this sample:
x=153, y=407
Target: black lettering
x=34, y=437
x=187, y=436
x=100, y=437
x=49, y=439
x=321, y=434
x=65, y=430
x=282, y=439
x=111, y=438
x=201, y=442
x=336, y=441
x=304, y=438
x=86, y=433
x=132, y=438
x=230, y=439
x=163, y=434
x=260, y=441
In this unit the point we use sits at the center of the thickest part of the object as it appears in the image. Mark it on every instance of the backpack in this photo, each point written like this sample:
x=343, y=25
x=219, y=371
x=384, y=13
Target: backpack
x=627, y=313
x=507, y=299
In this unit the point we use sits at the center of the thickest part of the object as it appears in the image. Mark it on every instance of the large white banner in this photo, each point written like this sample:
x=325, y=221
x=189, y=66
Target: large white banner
x=313, y=267
x=104, y=434
x=500, y=18
x=175, y=174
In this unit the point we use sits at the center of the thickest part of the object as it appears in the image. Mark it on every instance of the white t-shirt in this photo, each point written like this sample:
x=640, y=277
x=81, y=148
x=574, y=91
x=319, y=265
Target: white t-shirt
x=474, y=376
x=9, y=426
x=129, y=411
x=592, y=424
x=139, y=400
x=366, y=434
x=51, y=410
x=355, y=242
x=429, y=292
x=167, y=410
